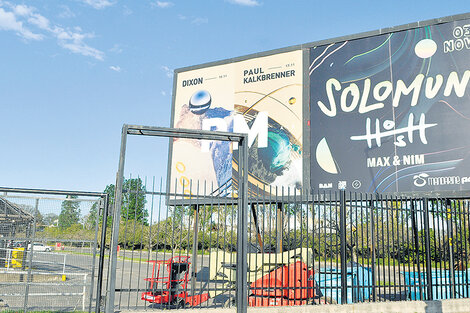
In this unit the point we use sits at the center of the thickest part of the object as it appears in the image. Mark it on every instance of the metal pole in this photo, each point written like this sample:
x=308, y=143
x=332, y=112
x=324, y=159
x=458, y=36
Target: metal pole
x=344, y=266
x=427, y=244
x=29, y=277
x=279, y=228
x=93, y=251
x=116, y=220
x=372, y=235
x=451, y=248
x=84, y=293
x=242, y=229
x=414, y=227
x=102, y=253
x=195, y=244
x=255, y=221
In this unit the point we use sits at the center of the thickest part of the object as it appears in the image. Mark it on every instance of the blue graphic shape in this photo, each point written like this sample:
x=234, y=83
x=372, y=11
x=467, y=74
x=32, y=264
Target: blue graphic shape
x=200, y=102
x=276, y=155
x=220, y=150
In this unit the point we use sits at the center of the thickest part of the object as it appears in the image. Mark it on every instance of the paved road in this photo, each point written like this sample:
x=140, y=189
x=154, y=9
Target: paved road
x=132, y=269
x=48, y=291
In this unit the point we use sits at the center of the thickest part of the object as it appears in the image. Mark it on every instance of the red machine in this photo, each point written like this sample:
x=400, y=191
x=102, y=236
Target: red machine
x=291, y=284
x=171, y=288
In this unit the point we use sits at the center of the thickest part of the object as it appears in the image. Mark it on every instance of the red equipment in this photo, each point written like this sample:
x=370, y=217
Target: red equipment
x=291, y=284
x=172, y=288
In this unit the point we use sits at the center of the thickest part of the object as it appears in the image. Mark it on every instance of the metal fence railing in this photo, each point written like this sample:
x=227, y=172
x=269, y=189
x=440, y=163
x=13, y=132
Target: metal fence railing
x=188, y=244
x=180, y=250
x=49, y=249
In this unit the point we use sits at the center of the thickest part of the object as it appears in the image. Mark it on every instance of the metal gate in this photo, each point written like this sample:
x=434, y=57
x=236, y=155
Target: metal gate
x=162, y=243
x=49, y=249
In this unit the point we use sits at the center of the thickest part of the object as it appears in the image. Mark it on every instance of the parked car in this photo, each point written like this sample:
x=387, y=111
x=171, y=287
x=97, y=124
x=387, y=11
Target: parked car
x=18, y=244
x=39, y=247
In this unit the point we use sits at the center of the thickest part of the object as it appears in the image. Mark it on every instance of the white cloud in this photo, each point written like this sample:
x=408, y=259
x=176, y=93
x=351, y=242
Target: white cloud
x=70, y=39
x=200, y=21
x=116, y=49
x=168, y=71
x=8, y=21
x=22, y=10
x=182, y=17
x=162, y=4
x=248, y=3
x=115, y=68
x=74, y=42
x=66, y=13
x=39, y=21
x=163, y=92
x=98, y=4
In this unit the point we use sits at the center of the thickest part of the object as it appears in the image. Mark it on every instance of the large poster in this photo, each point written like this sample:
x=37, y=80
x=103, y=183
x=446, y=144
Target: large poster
x=261, y=97
x=391, y=113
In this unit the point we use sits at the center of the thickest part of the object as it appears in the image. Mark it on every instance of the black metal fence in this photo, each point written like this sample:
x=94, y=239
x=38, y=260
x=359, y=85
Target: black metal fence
x=180, y=250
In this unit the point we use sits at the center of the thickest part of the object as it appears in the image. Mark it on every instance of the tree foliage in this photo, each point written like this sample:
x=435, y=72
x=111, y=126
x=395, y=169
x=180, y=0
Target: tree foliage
x=70, y=212
x=133, y=200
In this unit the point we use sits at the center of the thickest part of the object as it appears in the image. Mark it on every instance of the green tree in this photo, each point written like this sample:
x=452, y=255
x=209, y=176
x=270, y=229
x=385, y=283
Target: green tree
x=89, y=221
x=133, y=200
x=50, y=219
x=31, y=209
x=70, y=212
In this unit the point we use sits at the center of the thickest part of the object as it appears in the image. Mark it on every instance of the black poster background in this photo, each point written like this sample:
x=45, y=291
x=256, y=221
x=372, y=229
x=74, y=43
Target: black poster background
x=392, y=57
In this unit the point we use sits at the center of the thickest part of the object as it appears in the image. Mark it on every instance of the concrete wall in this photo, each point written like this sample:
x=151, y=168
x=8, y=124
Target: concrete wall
x=443, y=306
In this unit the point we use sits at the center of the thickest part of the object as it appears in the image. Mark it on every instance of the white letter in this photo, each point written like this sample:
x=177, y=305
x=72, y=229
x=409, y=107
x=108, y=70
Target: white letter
x=363, y=108
x=431, y=91
x=332, y=110
x=355, y=93
x=415, y=86
x=448, y=46
x=453, y=82
x=259, y=128
x=387, y=85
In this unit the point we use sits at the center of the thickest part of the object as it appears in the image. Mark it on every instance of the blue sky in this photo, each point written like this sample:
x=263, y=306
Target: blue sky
x=73, y=71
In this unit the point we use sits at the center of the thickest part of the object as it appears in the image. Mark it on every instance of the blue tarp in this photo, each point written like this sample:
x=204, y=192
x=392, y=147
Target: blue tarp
x=440, y=282
x=358, y=280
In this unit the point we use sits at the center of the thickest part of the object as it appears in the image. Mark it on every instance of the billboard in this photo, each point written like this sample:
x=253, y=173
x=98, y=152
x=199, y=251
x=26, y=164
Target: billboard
x=260, y=96
x=391, y=112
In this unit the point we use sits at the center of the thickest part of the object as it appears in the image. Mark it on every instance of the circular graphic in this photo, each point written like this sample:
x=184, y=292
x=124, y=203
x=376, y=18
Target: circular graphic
x=292, y=100
x=200, y=102
x=425, y=48
x=325, y=158
x=356, y=184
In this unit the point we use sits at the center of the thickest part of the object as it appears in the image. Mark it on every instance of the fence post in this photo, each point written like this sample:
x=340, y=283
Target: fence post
x=344, y=266
x=104, y=224
x=242, y=229
x=195, y=244
x=279, y=222
x=116, y=221
x=427, y=244
x=30, y=256
x=84, y=293
x=414, y=227
x=372, y=234
x=451, y=248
